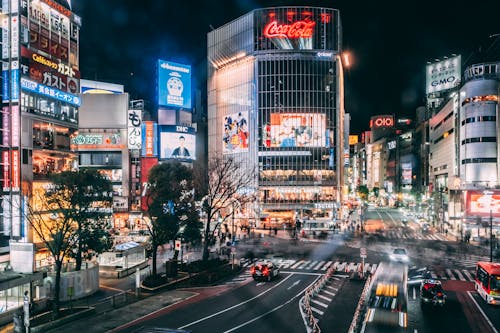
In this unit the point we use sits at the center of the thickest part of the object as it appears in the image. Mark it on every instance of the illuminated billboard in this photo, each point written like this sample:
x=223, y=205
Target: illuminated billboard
x=174, y=84
x=443, y=75
x=297, y=130
x=177, y=142
x=297, y=28
x=235, y=137
x=482, y=202
x=149, y=139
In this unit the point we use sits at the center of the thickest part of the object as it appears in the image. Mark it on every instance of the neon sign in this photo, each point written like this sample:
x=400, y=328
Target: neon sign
x=299, y=29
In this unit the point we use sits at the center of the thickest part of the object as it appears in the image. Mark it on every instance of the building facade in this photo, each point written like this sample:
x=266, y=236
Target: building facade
x=275, y=102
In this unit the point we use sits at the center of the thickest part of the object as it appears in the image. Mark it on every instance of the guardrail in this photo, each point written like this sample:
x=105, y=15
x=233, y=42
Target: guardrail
x=305, y=306
x=355, y=320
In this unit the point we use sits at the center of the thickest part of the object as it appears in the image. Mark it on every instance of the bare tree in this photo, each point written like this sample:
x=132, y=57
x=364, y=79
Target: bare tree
x=55, y=229
x=227, y=182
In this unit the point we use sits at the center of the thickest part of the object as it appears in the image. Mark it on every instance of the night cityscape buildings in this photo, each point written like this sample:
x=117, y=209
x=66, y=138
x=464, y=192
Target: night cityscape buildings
x=275, y=102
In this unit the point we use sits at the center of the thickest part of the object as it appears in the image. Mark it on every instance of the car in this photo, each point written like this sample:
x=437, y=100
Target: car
x=399, y=255
x=264, y=271
x=426, y=227
x=432, y=293
x=416, y=275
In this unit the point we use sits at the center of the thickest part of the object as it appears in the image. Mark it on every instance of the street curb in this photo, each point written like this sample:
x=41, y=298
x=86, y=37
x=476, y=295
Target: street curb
x=85, y=312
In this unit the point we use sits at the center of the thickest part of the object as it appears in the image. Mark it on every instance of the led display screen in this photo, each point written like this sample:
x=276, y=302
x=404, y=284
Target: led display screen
x=177, y=142
x=174, y=84
x=481, y=203
x=297, y=130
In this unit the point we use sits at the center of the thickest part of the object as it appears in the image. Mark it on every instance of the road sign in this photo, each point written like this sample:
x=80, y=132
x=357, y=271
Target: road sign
x=178, y=245
x=362, y=252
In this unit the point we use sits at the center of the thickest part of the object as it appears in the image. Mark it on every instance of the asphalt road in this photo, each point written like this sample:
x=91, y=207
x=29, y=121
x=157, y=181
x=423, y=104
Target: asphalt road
x=253, y=307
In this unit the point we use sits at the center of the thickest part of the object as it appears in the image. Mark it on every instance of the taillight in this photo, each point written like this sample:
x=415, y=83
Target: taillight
x=252, y=270
x=440, y=294
x=265, y=271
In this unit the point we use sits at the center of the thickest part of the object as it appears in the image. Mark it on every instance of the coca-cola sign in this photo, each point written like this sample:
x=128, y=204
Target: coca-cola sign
x=298, y=29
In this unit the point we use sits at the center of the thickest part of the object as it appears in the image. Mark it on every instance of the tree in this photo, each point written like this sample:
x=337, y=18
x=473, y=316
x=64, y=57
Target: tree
x=226, y=184
x=170, y=204
x=363, y=192
x=90, y=198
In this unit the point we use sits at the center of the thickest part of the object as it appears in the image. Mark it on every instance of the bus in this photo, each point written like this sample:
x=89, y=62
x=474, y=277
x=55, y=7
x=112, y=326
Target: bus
x=387, y=300
x=487, y=281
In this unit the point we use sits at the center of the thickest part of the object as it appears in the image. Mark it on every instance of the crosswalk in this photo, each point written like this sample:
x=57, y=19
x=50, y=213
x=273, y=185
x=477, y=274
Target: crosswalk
x=321, y=266
x=401, y=234
x=320, y=301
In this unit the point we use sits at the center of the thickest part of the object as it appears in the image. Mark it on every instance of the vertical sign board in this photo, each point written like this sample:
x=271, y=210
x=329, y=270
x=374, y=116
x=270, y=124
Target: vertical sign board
x=149, y=137
x=134, y=129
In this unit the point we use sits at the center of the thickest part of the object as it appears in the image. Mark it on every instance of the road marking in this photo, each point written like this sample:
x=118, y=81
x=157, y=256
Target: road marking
x=301, y=273
x=460, y=276
x=260, y=284
x=272, y=310
x=466, y=272
x=328, y=292
x=324, y=297
x=236, y=305
x=414, y=293
x=482, y=312
x=450, y=274
x=319, y=303
x=293, y=284
x=312, y=264
x=317, y=311
x=304, y=264
x=332, y=288
x=328, y=264
x=319, y=265
x=296, y=264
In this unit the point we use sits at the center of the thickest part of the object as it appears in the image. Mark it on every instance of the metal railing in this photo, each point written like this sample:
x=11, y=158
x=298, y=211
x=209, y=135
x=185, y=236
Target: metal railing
x=360, y=308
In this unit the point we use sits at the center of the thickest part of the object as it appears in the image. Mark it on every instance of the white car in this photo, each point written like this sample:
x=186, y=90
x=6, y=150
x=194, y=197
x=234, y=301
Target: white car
x=399, y=255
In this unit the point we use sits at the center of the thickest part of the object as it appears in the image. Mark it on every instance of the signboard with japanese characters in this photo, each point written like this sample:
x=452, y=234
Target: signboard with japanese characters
x=134, y=129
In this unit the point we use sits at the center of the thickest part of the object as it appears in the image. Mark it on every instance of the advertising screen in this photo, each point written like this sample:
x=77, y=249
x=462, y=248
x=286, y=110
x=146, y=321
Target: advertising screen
x=174, y=84
x=177, y=142
x=443, y=75
x=298, y=130
x=480, y=203
x=235, y=137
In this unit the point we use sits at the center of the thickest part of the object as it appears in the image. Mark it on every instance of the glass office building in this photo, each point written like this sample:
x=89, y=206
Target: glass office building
x=275, y=102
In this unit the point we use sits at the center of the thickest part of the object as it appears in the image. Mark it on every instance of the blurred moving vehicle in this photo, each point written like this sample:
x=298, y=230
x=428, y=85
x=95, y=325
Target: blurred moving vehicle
x=417, y=275
x=264, y=270
x=432, y=293
x=426, y=228
x=487, y=281
x=399, y=255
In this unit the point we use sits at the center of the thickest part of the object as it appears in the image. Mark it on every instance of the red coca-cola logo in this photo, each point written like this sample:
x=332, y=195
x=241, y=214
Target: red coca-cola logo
x=299, y=29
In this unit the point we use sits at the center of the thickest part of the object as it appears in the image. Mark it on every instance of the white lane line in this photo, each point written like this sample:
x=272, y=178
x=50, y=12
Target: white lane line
x=272, y=310
x=293, y=284
x=324, y=297
x=236, y=305
x=328, y=264
x=482, y=312
x=317, y=311
x=319, y=303
x=302, y=273
x=467, y=274
x=319, y=265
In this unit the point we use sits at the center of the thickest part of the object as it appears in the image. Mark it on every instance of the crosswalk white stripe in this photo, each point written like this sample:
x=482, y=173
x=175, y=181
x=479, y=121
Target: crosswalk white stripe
x=297, y=264
x=328, y=292
x=468, y=275
x=328, y=299
x=322, y=262
x=341, y=266
x=332, y=288
x=459, y=274
x=304, y=264
x=328, y=264
x=351, y=267
x=312, y=264
x=288, y=263
x=450, y=274
x=317, y=311
x=315, y=301
x=374, y=268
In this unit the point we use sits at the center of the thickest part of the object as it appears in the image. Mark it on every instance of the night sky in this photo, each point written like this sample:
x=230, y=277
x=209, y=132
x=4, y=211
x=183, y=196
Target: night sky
x=390, y=42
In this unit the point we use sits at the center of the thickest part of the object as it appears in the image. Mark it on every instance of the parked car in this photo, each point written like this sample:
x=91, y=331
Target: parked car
x=432, y=293
x=264, y=271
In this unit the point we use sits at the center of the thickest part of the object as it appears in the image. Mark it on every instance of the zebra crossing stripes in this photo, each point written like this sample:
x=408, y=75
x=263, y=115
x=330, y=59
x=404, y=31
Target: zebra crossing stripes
x=416, y=235
x=321, y=263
